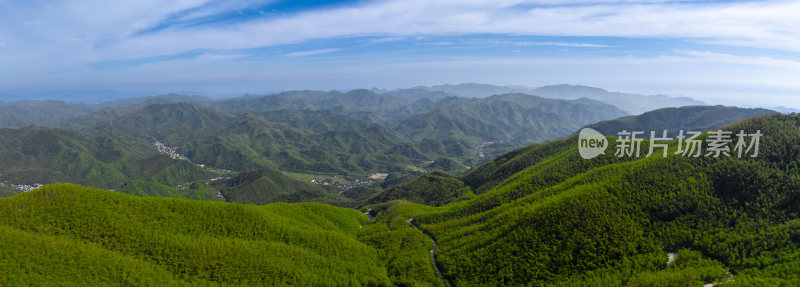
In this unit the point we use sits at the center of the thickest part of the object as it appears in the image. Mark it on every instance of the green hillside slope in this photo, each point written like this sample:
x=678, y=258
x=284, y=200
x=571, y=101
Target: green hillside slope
x=43, y=155
x=516, y=118
x=120, y=239
x=564, y=220
x=688, y=118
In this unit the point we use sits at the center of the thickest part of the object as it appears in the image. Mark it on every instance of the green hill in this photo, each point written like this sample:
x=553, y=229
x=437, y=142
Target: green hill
x=689, y=118
x=435, y=188
x=515, y=118
x=38, y=155
x=70, y=235
x=173, y=123
x=302, y=141
x=43, y=155
x=566, y=221
x=264, y=186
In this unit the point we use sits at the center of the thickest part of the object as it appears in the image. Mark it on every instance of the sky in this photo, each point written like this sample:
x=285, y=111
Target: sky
x=744, y=53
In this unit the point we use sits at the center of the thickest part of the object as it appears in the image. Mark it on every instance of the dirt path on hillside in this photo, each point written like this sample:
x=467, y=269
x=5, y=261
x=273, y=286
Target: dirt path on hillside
x=433, y=251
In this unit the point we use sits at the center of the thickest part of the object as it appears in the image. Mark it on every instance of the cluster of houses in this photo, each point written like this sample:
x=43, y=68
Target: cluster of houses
x=171, y=151
x=346, y=185
x=353, y=183
x=26, y=187
x=481, y=153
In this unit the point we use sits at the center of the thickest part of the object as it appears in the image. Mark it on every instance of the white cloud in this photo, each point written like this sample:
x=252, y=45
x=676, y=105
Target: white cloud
x=311, y=52
x=105, y=30
x=761, y=24
x=579, y=45
x=55, y=43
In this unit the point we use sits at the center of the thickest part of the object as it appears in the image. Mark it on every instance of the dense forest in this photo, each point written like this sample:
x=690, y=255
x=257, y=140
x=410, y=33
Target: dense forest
x=563, y=220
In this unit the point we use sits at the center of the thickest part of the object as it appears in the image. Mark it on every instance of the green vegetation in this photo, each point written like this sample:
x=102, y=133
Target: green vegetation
x=264, y=186
x=435, y=189
x=556, y=219
x=44, y=155
x=517, y=118
x=689, y=118
x=145, y=240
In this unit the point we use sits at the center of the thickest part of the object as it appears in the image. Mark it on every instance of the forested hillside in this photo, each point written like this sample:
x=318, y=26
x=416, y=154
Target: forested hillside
x=689, y=118
x=37, y=155
x=43, y=155
x=548, y=217
x=517, y=118
x=159, y=241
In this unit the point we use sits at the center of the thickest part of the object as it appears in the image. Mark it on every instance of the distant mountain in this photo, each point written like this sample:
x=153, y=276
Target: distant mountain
x=510, y=117
x=173, y=98
x=415, y=94
x=474, y=90
x=360, y=104
x=785, y=110
x=116, y=109
x=173, y=123
x=694, y=118
x=87, y=96
x=631, y=103
x=44, y=155
x=43, y=113
x=298, y=140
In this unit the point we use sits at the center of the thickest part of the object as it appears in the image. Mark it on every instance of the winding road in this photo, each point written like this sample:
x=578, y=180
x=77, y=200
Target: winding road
x=433, y=251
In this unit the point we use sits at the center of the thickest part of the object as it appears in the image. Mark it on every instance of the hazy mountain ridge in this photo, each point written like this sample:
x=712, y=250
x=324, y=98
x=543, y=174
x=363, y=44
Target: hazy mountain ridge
x=43, y=113
x=517, y=118
x=631, y=103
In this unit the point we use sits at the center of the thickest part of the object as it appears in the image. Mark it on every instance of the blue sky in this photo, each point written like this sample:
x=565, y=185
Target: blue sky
x=721, y=52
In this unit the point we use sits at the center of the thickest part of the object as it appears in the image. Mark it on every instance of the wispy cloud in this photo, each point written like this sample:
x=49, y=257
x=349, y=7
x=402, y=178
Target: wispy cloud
x=580, y=45
x=386, y=40
x=311, y=52
x=78, y=42
x=562, y=44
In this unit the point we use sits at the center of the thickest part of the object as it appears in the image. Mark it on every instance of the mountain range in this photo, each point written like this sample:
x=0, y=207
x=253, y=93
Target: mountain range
x=630, y=103
x=540, y=215
x=340, y=148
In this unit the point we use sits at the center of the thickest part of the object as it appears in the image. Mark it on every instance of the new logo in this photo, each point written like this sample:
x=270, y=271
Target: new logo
x=591, y=143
